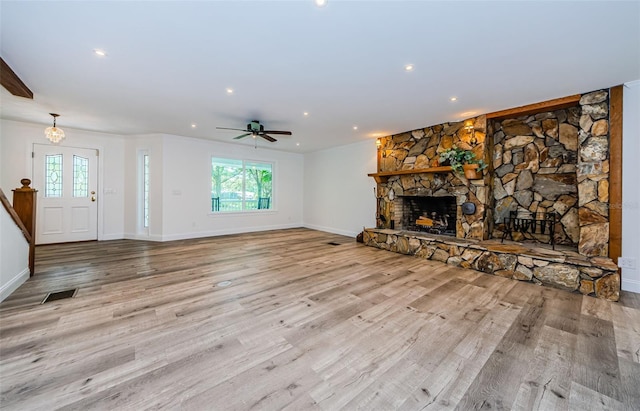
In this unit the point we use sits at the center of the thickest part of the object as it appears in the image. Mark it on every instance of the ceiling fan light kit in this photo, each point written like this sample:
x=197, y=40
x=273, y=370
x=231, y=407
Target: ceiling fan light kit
x=54, y=134
x=255, y=129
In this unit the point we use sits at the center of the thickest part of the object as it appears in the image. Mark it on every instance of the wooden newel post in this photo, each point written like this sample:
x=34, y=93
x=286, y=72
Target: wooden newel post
x=24, y=203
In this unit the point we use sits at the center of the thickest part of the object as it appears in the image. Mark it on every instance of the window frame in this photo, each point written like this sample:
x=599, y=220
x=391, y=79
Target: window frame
x=243, y=211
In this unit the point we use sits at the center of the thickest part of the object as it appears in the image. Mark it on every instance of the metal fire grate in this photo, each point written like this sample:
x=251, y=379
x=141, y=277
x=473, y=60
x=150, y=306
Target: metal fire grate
x=59, y=295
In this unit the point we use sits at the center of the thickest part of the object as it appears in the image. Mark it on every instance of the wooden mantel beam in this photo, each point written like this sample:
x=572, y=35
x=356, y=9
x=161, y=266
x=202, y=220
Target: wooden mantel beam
x=555, y=104
x=12, y=82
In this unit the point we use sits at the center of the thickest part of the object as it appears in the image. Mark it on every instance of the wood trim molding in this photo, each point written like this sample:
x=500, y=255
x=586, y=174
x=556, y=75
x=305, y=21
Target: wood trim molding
x=14, y=216
x=383, y=176
x=12, y=82
x=555, y=104
x=615, y=172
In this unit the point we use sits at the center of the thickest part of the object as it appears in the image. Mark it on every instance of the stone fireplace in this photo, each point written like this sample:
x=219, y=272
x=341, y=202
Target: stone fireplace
x=554, y=161
x=419, y=150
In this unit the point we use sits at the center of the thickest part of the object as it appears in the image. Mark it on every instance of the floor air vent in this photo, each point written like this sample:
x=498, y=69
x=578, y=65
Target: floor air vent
x=59, y=295
x=333, y=243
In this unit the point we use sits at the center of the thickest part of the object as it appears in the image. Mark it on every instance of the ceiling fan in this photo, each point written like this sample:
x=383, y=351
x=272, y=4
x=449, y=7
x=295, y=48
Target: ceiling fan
x=255, y=129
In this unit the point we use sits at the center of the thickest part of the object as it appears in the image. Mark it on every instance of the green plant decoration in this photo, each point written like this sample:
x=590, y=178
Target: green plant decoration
x=458, y=157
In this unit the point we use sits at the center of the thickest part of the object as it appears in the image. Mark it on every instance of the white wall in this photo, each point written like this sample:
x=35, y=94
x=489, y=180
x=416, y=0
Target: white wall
x=17, y=139
x=338, y=194
x=180, y=174
x=180, y=182
x=630, y=186
x=14, y=255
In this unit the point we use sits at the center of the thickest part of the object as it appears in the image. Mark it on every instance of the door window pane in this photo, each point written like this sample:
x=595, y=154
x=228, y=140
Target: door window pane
x=53, y=177
x=80, y=176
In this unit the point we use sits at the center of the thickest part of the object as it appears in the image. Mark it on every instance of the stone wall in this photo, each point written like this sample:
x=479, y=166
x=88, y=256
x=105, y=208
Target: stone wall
x=555, y=161
x=535, y=158
x=420, y=149
x=593, y=174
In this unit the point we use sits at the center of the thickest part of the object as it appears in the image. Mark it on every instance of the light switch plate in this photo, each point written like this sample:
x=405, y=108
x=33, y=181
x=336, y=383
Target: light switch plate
x=627, y=262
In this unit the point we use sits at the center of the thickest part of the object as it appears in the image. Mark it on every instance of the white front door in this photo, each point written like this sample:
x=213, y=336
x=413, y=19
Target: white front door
x=67, y=182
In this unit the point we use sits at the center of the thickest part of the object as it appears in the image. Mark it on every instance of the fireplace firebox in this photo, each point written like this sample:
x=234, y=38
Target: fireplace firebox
x=436, y=215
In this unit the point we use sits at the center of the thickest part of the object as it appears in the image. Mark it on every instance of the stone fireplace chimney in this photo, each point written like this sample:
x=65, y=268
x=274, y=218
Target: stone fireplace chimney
x=416, y=155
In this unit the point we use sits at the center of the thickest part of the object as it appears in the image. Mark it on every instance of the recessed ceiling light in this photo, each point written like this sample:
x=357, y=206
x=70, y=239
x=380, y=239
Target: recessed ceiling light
x=99, y=52
x=305, y=113
x=355, y=127
x=229, y=91
x=408, y=67
x=321, y=3
x=194, y=125
x=297, y=144
x=454, y=99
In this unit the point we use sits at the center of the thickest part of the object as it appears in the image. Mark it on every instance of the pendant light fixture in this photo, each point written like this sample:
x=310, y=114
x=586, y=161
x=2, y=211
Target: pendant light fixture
x=54, y=134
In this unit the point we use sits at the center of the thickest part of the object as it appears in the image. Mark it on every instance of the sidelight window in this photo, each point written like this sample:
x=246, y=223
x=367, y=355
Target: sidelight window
x=145, y=191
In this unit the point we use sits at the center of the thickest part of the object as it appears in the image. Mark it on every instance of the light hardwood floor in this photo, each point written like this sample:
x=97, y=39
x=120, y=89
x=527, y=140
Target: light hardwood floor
x=304, y=325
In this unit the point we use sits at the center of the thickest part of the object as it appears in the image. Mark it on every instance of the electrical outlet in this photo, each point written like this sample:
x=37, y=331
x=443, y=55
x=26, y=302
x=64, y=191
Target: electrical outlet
x=627, y=262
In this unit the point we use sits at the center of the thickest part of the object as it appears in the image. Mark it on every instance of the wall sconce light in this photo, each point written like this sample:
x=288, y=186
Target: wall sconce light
x=383, y=153
x=54, y=134
x=468, y=125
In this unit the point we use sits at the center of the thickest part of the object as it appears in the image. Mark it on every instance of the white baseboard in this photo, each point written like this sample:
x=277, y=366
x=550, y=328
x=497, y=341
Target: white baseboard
x=107, y=237
x=227, y=231
x=13, y=285
x=142, y=237
x=331, y=230
x=210, y=233
x=631, y=285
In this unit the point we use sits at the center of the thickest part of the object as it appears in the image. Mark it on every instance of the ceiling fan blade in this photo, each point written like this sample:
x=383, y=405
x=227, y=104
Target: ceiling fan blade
x=242, y=136
x=268, y=138
x=227, y=128
x=286, y=133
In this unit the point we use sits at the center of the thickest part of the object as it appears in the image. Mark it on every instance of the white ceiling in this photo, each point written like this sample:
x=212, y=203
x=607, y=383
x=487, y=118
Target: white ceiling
x=168, y=64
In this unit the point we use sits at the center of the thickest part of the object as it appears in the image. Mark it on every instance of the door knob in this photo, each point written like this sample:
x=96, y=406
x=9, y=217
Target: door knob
x=93, y=197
